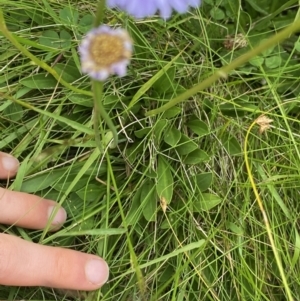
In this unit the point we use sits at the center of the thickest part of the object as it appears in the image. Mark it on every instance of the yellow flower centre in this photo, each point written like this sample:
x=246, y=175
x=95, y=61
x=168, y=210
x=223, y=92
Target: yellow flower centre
x=106, y=50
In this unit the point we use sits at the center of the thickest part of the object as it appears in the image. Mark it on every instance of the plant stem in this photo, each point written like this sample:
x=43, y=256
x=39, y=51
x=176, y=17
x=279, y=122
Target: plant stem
x=265, y=217
x=99, y=13
x=97, y=88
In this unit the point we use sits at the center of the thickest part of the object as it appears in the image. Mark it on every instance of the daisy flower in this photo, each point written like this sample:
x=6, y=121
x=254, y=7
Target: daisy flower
x=105, y=51
x=146, y=8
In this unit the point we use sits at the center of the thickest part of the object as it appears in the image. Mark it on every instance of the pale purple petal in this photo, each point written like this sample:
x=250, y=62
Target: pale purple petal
x=120, y=69
x=133, y=8
x=164, y=8
x=180, y=6
x=147, y=8
x=194, y=3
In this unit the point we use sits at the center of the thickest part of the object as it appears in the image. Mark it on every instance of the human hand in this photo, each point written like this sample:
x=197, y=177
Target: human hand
x=23, y=263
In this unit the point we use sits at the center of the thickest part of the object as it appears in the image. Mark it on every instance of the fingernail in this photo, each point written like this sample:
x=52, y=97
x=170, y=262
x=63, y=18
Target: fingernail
x=60, y=216
x=97, y=271
x=9, y=163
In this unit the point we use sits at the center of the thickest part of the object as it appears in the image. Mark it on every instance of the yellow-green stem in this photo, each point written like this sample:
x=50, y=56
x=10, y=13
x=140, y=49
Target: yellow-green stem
x=100, y=112
x=99, y=13
x=265, y=217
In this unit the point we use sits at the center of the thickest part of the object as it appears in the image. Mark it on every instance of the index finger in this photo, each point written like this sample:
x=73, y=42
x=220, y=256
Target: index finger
x=23, y=263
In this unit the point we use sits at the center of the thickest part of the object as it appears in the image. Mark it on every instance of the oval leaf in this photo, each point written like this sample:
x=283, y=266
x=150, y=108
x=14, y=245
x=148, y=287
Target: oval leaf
x=148, y=199
x=273, y=61
x=195, y=157
x=206, y=202
x=164, y=185
x=186, y=145
x=135, y=211
x=165, y=82
x=198, y=127
x=39, y=81
x=232, y=145
x=203, y=180
x=172, y=137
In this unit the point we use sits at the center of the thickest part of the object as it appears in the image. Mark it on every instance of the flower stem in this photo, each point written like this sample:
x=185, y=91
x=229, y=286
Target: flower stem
x=97, y=88
x=223, y=72
x=99, y=13
x=257, y=194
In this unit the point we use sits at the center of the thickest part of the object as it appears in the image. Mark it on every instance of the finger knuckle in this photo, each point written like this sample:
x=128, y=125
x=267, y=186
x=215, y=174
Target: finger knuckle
x=61, y=271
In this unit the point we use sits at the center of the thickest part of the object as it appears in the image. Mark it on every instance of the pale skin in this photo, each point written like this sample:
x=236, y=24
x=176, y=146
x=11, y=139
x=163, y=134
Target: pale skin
x=23, y=263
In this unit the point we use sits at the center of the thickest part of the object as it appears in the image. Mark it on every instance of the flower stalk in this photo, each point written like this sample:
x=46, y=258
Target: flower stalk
x=97, y=88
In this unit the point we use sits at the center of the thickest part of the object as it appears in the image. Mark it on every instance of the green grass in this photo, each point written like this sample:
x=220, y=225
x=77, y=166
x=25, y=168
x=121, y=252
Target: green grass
x=172, y=208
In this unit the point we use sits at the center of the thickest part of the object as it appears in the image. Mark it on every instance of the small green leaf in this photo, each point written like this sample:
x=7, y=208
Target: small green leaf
x=167, y=274
x=239, y=108
x=256, y=61
x=165, y=82
x=68, y=72
x=148, y=199
x=273, y=61
x=42, y=181
x=203, y=180
x=38, y=16
x=234, y=228
x=296, y=243
x=142, y=132
x=110, y=100
x=172, y=112
x=172, y=136
x=186, y=145
x=64, y=184
x=65, y=40
x=164, y=183
x=232, y=145
x=217, y=13
x=39, y=81
x=149, y=172
x=82, y=100
x=267, y=51
x=297, y=45
x=195, y=157
x=50, y=38
x=135, y=211
x=198, y=127
x=36, y=184
x=258, y=6
x=86, y=23
x=159, y=128
x=206, y=202
x=69, y=16
x=108, y=137
x=134, y=152
x=13, y=112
